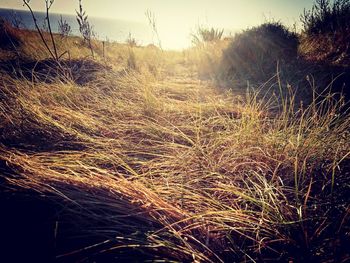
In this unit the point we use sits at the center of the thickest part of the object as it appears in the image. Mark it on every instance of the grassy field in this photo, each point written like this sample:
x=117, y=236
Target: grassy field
x=142, y=154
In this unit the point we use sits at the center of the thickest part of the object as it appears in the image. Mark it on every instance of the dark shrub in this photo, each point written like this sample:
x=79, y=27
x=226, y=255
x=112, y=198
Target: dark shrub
x=327, y=17
x=254, y=53
x=326, y=32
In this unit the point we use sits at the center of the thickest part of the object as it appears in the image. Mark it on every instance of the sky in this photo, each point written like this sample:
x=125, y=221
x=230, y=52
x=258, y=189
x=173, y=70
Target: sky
x=176, y=19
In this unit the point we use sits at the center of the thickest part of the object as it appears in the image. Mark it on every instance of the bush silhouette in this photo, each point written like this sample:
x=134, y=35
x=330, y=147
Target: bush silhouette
x=205, y=35
x=325, y=17
x=254, y=53
x=326, y=32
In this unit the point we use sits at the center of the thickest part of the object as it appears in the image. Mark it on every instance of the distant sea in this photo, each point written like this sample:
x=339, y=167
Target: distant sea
x=105, y=29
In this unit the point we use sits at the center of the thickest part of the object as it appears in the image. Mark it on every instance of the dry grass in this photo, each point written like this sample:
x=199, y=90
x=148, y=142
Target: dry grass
x=330, y=48
x=171, y=165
